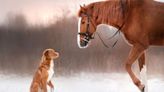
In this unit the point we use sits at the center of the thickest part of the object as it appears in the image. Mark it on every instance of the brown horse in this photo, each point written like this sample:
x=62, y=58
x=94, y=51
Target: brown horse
x=140, y=21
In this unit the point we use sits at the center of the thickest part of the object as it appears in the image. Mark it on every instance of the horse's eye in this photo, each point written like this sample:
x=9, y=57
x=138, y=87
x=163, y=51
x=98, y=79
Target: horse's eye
x=83, y=22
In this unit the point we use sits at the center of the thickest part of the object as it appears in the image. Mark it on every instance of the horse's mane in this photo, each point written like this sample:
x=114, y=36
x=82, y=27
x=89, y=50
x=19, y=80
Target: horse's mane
x=111, y=11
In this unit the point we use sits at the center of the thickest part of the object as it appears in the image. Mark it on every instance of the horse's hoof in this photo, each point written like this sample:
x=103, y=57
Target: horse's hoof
x=142, y=88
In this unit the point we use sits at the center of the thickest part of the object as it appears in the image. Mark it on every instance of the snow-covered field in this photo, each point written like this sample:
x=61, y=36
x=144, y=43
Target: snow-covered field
x=82, y=83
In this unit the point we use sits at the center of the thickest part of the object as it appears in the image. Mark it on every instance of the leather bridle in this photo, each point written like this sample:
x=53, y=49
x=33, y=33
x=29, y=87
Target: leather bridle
x=88, y=35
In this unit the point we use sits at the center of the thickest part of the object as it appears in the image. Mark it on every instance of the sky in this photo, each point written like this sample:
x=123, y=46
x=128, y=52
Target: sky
x=41, y=10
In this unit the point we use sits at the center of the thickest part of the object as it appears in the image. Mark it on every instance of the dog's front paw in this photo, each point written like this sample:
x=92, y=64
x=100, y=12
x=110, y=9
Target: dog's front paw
x=52, y=89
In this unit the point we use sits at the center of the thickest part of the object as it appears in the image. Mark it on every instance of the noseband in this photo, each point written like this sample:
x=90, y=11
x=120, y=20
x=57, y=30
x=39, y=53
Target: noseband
x=87, y=35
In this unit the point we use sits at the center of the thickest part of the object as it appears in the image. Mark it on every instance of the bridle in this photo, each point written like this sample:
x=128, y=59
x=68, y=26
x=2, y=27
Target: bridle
x=88, y=35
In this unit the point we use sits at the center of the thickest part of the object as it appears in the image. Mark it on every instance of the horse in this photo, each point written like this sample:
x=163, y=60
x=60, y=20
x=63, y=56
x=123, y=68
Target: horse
x=140, y=21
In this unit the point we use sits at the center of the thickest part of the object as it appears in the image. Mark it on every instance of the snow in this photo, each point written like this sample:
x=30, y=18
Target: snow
x=83, y=82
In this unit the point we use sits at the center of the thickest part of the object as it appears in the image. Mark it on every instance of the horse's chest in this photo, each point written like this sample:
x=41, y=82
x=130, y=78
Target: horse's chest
x=128, y=39
x=50, y=71
x=156, y=38
x=157, y=35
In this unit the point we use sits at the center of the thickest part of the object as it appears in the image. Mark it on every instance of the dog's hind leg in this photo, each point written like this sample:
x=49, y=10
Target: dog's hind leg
x=51, y=86
x=34, y=87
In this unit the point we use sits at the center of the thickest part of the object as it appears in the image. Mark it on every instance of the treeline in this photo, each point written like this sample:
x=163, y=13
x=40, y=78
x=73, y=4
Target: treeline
x=22, y=44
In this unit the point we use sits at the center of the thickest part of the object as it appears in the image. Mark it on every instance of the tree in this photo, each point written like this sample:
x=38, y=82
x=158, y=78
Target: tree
x=16, y=21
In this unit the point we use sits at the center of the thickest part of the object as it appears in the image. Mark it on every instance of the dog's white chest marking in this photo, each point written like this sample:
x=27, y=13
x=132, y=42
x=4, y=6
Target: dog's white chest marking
x=50, y=71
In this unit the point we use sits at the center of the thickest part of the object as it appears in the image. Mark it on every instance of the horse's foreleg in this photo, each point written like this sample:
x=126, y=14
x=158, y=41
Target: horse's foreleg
x=143, y=72
x=135, y=52
x=141, y=61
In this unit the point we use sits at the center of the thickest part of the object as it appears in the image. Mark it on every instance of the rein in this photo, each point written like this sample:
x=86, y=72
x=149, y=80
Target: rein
x=87, y=34
x=117, y=32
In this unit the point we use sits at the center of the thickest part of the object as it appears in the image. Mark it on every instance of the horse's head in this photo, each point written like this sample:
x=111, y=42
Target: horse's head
x=86, y=26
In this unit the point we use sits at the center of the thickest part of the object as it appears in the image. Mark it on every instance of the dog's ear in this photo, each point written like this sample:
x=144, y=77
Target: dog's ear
x=46, y=53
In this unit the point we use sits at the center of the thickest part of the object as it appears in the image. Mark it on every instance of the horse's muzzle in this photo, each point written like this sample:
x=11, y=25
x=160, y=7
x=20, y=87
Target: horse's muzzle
x=83, y=43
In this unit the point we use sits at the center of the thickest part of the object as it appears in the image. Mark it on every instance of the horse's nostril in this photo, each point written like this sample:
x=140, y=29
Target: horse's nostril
x=83, y=43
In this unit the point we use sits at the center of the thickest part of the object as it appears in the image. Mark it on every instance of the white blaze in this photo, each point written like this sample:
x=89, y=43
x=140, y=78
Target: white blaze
x=78, y=36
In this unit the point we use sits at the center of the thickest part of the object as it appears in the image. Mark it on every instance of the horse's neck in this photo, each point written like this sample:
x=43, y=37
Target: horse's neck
x=111, y=14
x=117, y=13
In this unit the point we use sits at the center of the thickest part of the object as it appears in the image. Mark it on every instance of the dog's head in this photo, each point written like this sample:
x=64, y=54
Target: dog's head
x=50, y=54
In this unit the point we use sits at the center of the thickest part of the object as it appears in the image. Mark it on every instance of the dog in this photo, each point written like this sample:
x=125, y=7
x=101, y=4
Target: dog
x=44, y=73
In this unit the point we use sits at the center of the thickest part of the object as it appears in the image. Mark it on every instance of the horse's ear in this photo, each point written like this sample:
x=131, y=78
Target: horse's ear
x=82, y=7
x=82, y=10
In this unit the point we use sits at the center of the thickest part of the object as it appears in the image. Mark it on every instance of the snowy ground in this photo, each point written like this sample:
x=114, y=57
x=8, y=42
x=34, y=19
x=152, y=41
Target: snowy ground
x=82, y=83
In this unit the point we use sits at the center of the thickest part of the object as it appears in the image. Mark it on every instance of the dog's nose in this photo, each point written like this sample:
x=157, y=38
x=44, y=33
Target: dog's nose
x=56, y=54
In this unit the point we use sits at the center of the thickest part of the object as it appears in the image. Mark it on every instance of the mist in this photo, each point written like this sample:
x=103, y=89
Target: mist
x=94, y=69
x=22, y=45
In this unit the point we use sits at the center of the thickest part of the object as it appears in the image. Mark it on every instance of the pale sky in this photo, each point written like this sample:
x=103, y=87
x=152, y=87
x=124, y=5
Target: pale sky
x=41, y=10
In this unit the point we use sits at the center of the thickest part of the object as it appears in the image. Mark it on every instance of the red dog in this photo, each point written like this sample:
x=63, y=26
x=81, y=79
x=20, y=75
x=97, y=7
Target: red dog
x=45, y=72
